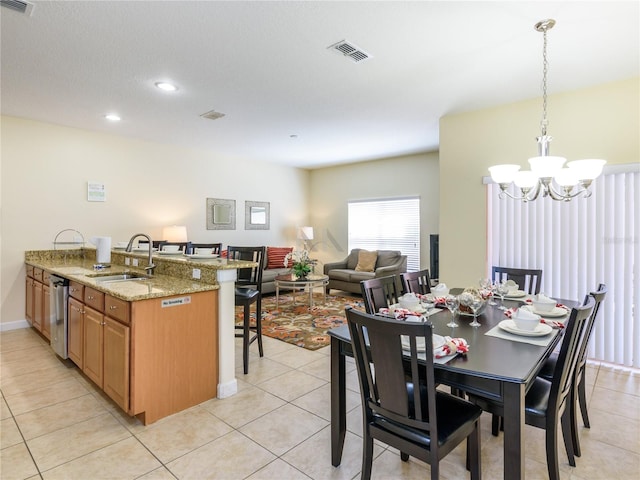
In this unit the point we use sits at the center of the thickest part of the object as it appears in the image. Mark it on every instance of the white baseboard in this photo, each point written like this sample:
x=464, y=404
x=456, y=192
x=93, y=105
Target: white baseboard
x=227, y=389
x=5, y=327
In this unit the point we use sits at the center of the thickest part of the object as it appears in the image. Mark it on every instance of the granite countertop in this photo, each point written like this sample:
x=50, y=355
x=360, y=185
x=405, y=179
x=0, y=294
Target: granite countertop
x=171, y=278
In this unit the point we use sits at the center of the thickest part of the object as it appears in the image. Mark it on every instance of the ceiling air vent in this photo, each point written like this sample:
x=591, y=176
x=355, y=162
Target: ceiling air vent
x=212, y=115
x=349, y=50
x=18, y=6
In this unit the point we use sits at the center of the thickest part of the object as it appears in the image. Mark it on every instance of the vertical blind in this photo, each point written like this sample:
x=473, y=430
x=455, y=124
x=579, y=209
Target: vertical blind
x=387, y=224
x=578, y=245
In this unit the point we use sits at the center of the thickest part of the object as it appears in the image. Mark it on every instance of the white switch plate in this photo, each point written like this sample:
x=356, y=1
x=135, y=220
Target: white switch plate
x=135, y=262
x=196, y=273
x=127, y=261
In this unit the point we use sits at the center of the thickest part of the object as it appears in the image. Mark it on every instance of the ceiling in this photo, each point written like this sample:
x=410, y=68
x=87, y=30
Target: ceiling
x=287, y=98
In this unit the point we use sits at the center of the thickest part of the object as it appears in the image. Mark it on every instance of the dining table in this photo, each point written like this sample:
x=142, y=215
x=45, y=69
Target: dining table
x=499, y=365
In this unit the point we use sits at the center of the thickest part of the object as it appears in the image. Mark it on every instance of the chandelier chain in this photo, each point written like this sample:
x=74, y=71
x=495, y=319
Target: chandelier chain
x=545, y=68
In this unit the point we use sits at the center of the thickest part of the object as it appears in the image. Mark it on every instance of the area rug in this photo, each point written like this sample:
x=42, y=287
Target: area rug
x=300, y=325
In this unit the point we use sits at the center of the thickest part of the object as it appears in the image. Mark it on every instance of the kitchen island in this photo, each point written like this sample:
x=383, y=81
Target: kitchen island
x=155, y=345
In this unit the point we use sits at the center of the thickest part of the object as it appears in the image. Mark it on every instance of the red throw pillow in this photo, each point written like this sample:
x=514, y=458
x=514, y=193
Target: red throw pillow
x=275, y=256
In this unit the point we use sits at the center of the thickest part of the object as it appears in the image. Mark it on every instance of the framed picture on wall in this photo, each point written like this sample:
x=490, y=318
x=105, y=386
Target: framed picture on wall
x=256, y=215
x=221, y=214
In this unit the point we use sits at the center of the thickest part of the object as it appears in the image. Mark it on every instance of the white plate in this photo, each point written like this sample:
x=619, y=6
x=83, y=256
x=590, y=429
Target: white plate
x=540, y=331
x=201, y=255
x=516, y=294
x=438, y=341
x=162, y=252
x=556, y=312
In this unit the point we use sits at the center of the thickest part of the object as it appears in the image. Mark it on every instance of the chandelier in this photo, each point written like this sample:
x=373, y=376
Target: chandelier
x=547, y=177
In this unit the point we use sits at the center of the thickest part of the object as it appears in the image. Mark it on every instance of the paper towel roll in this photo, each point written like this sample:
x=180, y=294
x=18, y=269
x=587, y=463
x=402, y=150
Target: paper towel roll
x=103, y=249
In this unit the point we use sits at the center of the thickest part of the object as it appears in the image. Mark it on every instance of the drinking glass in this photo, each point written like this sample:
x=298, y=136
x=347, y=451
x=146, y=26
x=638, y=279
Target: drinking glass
x=485, y=283
x=502, y=289
x=492, y=290
x=452, y=303
x=475, y=305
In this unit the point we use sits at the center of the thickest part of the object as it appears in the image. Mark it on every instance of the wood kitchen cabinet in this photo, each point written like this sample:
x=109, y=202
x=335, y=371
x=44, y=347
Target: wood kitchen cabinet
x=116, y=338
x=75, y=332
x=37, y=305
x=37, y=300
x=46, y=308
x=106, y=344
x=93, y=363
x=28, y=308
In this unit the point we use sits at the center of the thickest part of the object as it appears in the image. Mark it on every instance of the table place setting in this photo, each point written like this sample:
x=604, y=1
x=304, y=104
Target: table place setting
x=523, y=325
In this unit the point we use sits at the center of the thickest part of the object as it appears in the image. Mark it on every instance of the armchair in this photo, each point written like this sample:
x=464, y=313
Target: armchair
x=344, y=276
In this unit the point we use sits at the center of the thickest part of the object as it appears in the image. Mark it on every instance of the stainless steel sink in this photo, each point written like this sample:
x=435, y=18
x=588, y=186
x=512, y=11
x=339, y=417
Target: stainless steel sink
x=120, y=277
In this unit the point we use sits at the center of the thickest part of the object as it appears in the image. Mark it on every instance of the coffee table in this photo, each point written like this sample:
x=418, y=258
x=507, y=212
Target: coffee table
x=309, y=282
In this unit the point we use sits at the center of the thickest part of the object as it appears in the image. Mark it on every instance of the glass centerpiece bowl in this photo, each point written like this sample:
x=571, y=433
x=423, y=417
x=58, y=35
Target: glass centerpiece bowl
x=473, y=296
x=300, y=263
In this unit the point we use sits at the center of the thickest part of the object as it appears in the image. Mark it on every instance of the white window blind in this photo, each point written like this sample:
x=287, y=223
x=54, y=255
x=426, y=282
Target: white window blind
x=387, y=224
x=578, y=245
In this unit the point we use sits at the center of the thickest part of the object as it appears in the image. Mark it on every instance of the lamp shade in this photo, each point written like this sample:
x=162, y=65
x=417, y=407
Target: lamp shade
x=525, y=179
x=503, y=173
x=566, y=177
x=305, y=233
x=175, y=233
x=587, y=169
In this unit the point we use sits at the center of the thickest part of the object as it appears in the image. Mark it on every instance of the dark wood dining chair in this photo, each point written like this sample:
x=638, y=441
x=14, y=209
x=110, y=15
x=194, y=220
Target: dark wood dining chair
x=547, y=403
x=528, y=280
x=400, y=404
x=416, y=282
x=550, y=366
x=249, y=291
x=215, y=247
x=380, y=292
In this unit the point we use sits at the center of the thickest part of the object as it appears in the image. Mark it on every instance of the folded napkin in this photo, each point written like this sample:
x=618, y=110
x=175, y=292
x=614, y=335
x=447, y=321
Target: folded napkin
x=510, y=313
x=451, y=346
x=399, y=313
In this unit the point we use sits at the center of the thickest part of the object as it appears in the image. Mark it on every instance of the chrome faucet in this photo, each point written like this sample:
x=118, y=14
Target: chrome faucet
x=149, y=268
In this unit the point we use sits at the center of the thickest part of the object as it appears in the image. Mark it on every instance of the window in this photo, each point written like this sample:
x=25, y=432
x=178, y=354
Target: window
x=387, y=224
x=578, y=245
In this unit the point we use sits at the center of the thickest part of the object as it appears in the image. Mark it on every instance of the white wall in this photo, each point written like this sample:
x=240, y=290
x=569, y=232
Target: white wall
x=598, y=122
x=333, y=187
x=44, y=174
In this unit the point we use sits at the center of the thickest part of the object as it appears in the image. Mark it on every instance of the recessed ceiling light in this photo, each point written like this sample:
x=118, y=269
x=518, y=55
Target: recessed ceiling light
x=112, y=117
x=167, y=87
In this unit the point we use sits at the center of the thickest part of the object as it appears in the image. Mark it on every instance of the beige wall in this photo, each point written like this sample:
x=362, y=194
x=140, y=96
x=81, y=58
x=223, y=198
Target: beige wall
x=332, y=188
x=598, y=122
x=44, y=174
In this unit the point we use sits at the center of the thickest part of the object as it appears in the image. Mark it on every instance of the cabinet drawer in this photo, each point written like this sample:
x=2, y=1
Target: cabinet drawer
x=94, y=299
x=37, y=274
x=30, y=271
x=76, y=290
x=46, y=277
x=118, y=309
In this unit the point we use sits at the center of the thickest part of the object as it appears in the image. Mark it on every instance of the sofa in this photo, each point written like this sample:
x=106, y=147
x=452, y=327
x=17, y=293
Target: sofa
x=343, y=275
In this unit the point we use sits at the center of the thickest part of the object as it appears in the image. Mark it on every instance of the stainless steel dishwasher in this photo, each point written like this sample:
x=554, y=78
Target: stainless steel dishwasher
x=59, y=314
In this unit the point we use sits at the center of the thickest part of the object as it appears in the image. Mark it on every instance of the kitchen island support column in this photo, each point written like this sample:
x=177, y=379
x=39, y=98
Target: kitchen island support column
x=228, y=384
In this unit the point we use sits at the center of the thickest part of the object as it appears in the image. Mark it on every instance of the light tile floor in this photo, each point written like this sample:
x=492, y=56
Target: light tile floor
x=56, y=425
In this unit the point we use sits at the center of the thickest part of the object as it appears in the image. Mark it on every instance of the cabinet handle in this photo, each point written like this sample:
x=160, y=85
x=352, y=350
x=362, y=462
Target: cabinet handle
x=90, y=297
x=112, y=307
x=103, y=323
